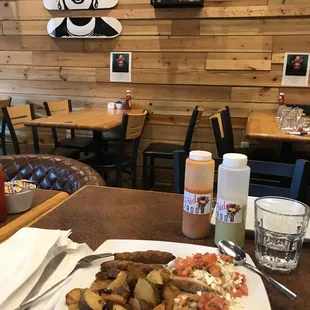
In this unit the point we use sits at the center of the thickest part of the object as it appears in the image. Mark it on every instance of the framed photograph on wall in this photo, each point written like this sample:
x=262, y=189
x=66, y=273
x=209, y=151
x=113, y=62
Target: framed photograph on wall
x=120, y=67
x=296, y=69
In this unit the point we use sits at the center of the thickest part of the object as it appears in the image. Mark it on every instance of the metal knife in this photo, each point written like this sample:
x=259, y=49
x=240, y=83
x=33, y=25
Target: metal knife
x=47, y=272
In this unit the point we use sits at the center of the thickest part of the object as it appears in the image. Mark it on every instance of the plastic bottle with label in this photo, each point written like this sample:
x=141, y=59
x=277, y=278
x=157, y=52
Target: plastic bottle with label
x=198, y=192
x=128, y=100
x=232, y=197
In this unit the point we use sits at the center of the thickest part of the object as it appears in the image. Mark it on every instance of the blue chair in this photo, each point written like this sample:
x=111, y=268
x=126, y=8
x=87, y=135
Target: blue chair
x=267, y=178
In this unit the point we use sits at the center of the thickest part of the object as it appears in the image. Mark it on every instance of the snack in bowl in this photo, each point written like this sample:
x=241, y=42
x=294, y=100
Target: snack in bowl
x=150, y=280
x=18, y=195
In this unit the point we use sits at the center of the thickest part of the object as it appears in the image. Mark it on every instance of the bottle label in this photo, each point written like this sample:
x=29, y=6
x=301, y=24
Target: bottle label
x=197, y=203
x=228, y=211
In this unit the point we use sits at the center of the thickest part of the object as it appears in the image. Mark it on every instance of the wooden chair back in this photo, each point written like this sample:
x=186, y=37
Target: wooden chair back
x=5, y=103
x=194, y=121
x=223, y=138
x=54, y=107
x=15, y=117
x=135, y=125
x=298, y=173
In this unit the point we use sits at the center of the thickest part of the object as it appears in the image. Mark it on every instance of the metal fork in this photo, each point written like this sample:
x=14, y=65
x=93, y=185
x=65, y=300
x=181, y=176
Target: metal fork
x=82, y=263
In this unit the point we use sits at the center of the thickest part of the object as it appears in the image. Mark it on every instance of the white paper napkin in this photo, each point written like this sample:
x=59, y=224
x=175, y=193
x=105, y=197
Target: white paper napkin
x=23, y=258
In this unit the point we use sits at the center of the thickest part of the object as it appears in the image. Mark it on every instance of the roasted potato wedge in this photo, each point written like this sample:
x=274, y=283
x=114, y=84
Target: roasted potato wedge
x=117, y=299
x=176, y=291
x=147, y=291
x=155, y=277
x=138, y=304
x=123, y=291
x=165, y=274
x=100, y=284
x=118, y=282
x=161, y=306
x=118, y=307
x=90, y=301
x=135, y=272
x=74, y=296
x=73, y=307
x=168, y=296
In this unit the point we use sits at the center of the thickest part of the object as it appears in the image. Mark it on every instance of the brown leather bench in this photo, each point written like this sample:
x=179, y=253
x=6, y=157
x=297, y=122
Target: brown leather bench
x=50, y=172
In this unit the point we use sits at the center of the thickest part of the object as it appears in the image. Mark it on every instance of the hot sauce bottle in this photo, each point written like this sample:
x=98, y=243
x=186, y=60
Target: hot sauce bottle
x=198, y=191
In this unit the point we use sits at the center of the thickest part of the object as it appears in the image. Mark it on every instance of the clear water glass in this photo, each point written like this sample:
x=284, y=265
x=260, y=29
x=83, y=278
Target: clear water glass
x=280, y=227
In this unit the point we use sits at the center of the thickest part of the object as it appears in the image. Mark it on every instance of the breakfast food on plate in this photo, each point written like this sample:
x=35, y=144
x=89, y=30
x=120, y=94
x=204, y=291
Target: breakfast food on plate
x=151, y=282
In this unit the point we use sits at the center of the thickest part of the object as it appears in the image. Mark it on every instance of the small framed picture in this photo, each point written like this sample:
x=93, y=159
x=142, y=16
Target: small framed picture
x=120, y=67
x=296, y=69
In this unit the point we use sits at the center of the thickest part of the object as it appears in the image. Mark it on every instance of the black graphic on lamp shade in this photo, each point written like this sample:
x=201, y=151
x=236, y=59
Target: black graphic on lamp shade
x=84, y=27
x=79, y=4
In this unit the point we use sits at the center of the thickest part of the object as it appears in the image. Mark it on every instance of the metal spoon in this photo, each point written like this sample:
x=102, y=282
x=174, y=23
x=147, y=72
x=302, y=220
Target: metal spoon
x=231, y=249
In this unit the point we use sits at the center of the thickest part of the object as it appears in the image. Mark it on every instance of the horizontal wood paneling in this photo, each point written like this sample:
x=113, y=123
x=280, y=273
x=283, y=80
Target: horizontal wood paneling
x=239, y=61
x=230, y=52
x=183, y=44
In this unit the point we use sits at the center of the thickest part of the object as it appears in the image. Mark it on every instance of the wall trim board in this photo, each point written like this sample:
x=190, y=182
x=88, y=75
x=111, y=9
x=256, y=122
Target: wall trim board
x=23, y=10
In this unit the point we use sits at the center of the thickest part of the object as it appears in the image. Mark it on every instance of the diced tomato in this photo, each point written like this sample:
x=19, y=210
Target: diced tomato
x=227, y=258
x=209, y=259
x=243, y=289
x=236, y=294
x=209, y=302
x=215, y=270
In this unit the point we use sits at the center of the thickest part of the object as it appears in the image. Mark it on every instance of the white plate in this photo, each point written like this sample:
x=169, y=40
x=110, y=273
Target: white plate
x=249, y=224
x=257, y=299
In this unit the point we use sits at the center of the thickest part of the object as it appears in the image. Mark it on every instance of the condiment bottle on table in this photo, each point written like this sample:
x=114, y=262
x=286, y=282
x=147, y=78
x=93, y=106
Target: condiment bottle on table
x=2, y=198
x=198, y=191
x=128, y=100
x=232, y=197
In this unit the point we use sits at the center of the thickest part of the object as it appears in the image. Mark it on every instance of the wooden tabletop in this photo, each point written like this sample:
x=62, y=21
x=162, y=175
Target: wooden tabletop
x=96, y=214
x=266, y=126
x=43, y=201
x=96, y=119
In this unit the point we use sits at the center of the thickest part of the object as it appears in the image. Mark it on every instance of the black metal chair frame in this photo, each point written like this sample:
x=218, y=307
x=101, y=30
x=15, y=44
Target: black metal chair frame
x=120, y=167
x=299, y=173
x=54, y=131
x=3, y=126
x=13, y=133
x=148, y=181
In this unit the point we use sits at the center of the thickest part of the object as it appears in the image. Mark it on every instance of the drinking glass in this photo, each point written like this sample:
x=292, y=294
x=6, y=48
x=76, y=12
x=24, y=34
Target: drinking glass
x=280, y=227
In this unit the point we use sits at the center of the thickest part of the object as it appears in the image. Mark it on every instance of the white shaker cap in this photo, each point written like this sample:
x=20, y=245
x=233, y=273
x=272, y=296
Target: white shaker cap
x=200, y=155
x=235, y=160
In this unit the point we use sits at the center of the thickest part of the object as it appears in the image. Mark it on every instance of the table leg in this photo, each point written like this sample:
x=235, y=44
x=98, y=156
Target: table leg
x=286, y=152
x=98, y=144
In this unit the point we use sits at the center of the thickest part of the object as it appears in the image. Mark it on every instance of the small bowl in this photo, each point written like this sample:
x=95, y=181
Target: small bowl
x=111, y=105
x=119, y=106
x=19, y=202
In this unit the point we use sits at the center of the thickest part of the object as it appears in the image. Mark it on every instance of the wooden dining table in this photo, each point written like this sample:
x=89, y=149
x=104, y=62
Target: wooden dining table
x=96, y=214
x=96, y=119
x=42, y=202
x=265, y=126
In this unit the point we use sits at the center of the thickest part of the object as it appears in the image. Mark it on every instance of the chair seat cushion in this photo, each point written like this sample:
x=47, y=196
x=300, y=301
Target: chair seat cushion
x=77, y=142
x=60, y=151
x=162, y=149
x=107, y=161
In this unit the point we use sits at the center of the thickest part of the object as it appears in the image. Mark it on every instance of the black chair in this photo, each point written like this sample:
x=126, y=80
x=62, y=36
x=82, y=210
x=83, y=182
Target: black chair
x=74, y=142
x=15, y=117
x=4, y=103
x=298, y=174
x=131, y=130
x=224, y=139
x=165, y=150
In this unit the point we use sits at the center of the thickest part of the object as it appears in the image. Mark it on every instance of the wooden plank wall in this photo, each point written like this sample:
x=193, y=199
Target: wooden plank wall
x=228, y=53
